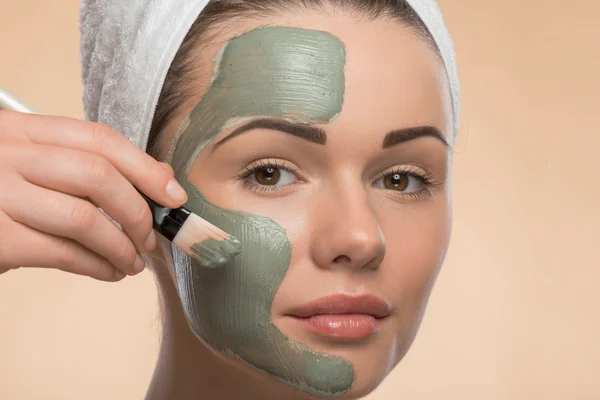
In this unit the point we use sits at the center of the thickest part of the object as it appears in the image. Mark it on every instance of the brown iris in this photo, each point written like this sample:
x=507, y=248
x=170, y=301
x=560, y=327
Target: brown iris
x=396, y=181
x=267, y=176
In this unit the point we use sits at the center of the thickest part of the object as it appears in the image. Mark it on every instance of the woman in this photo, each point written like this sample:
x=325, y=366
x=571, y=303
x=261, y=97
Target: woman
x=317, y=132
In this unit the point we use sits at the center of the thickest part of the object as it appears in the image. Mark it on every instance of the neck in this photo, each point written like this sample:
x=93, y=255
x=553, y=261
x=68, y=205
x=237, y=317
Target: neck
x=188, y=369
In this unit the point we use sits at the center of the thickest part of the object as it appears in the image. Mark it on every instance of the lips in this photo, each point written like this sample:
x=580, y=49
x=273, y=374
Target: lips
x=343, y=304
x=342, y=316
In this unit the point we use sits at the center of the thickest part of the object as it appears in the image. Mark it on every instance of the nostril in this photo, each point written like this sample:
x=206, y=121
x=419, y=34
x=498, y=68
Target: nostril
x=341, y=259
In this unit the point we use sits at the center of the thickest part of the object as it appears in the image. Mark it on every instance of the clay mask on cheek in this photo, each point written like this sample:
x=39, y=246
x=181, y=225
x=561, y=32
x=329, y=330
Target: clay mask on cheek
x=289, y=73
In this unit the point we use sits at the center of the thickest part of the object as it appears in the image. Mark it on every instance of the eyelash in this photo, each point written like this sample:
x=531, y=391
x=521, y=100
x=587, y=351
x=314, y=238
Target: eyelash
x=426, y=178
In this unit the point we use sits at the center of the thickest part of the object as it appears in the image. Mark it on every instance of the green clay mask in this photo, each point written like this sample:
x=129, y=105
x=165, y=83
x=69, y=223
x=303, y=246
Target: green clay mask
x=280, y=72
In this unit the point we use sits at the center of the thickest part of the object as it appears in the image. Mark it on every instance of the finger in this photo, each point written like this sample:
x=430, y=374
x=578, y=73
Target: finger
x=89, y=176
x=22, y=246
x=166, y=167
x=135, y=165
x=61, y=215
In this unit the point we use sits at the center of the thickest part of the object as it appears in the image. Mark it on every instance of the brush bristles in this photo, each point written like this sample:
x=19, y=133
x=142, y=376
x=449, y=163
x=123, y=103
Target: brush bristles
x=209, y=245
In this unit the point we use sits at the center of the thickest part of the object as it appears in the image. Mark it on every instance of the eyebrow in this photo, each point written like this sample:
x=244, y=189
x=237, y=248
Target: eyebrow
x=317, y=135
x=398, y=136
x=306, y=132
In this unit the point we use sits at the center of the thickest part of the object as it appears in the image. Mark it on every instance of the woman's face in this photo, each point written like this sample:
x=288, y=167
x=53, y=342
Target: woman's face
x=322, y=143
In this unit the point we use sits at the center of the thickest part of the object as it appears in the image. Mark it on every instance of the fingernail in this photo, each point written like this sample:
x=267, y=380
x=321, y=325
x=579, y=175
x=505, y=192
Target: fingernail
x=150, y=242
x=176, y=192
x=139, y=264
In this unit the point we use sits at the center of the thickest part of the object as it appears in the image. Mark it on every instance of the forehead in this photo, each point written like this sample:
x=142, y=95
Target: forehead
x=283, y=72
x=394, y=80
x=392, y=77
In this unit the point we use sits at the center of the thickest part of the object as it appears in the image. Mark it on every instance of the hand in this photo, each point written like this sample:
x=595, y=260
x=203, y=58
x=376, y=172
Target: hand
x=54, y=175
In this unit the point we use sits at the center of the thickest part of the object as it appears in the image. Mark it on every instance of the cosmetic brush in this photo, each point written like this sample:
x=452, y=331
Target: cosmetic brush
x=10, y=102
x=198, y=238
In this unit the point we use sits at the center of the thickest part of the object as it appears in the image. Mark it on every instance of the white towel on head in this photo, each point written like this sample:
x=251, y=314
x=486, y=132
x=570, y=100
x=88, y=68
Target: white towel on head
x=127, y=47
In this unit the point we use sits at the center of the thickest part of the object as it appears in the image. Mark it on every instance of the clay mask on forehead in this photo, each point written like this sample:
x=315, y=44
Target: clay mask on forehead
x=281, y=72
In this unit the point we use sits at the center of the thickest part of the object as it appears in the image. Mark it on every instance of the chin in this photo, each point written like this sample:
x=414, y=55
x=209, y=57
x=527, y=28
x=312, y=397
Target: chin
x=363, y=387
x=372, y=358
x=372, y=365
x=373, y=354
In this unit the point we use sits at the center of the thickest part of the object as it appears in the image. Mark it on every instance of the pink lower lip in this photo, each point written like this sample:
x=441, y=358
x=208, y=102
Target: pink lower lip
x=343, y=326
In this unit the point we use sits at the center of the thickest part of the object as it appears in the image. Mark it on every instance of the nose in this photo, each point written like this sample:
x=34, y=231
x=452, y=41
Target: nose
x=347, y=232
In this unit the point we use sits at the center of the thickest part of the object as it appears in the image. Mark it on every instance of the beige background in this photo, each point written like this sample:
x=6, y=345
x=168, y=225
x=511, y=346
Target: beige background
x=515, y=312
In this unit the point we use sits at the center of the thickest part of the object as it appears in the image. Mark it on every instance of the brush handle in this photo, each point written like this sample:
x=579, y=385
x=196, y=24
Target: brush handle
x=9, y=102
x=167, y=221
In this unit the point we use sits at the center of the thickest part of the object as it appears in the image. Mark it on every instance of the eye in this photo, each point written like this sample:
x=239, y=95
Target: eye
x=401, y=182
x=271, y=176
x=404, y=181
x=269, y=173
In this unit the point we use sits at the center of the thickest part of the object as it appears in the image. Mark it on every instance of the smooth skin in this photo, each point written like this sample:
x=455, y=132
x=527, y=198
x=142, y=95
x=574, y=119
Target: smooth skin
x=54, y=174
x=350, y=231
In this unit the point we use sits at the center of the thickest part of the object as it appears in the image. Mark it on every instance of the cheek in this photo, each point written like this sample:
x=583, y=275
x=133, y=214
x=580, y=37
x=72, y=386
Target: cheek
x=284, y=211
x=417, y=243
x=287, y=210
